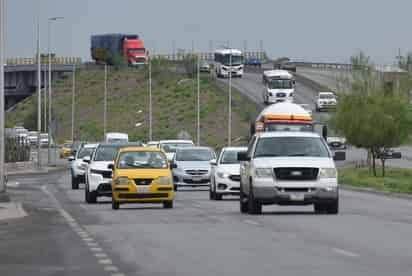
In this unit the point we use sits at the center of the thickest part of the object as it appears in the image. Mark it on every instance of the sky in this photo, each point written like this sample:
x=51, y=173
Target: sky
x=305, y=30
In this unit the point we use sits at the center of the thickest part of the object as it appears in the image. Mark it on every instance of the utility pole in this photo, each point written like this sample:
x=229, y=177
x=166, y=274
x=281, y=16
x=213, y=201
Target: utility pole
x=105, y=101
x=45, y=102
x=2, y=138
x=38, y=94
x=49, y=21
x=73, y=99
x=229, y=129
x=198, y=99
x=150, y=100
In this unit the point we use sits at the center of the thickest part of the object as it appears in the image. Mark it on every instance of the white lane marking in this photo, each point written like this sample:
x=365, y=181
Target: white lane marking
x=92, y=244
x=96, y=249
x=100, y=255
x=106, y=261
x=197, y=206
x=13, y=184
x=251, y=222
x=345, y=253
x=111, y=268
x=118, y=274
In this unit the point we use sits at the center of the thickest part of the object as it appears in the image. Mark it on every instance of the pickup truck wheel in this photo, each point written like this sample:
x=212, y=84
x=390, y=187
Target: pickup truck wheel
x=218, y=196
x=254, y=207
x=243, y=201
x=90, y=197
x=319, y=208
x=75, y=183
x=333, y=207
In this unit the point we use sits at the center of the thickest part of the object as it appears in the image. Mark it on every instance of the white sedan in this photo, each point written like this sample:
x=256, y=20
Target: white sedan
x=225, y=175
x=325, y=101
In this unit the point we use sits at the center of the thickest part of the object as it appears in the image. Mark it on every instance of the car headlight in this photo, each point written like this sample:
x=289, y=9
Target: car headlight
x=164, y=180
x=122, y=181
x=270, y=94
x=263, y=173
x=329, y=189
x=327, y=173
x=224, y=68
x=222, y=175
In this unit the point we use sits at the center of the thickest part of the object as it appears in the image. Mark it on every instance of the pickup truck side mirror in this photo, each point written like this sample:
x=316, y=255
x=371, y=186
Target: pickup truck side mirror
x=110, y=167
x=339, y=156
x=87, y=159
x=242, y=156
x=213, y=162
x=71, y=158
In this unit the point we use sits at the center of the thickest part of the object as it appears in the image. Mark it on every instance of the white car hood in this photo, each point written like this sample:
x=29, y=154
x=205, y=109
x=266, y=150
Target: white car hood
x=101, y=165
x=233, y=169
x=299, y=162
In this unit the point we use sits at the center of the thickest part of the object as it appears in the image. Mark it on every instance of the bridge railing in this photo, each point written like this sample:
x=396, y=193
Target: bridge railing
x=206, y=55
x=44, y=60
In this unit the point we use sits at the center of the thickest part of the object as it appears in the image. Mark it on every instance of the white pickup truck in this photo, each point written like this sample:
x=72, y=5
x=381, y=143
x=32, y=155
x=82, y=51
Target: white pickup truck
x=288, y=168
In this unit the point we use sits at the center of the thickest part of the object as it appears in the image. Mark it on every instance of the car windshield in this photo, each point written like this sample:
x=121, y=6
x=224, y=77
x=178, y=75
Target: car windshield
x=117, y=140
x=229, y=157
x=194, y=155
x=291, y=146
x=105, y=153
x=172, y=147
x=280, y=84
x=288, y=127
x=84, y=152
x=326, y=96
x=142, y=159
x=236, y=60
x=44, y=135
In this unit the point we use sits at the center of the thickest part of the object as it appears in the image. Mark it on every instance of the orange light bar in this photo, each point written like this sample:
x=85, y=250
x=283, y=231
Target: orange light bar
x=287, y=117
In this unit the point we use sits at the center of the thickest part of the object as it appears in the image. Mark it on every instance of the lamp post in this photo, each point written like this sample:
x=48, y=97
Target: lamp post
x=105, y=101
x=49, y=21
x=2, y=148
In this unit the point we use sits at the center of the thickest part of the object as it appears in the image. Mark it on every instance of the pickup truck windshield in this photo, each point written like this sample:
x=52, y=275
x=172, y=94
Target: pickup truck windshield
x=105, y=153
x=290, y=147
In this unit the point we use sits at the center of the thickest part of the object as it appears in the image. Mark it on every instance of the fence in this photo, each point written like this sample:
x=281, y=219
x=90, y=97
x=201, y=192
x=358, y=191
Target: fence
x=17, y=149
x=44, y=60
x=205, y=55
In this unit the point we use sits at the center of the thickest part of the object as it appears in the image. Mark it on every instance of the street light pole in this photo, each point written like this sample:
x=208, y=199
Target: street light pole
x=150, y=101
x=50, y=88
x=198, y=100
x=105, y=101
x=2, y=140
x=38, y=94
x=73, y=98
x=229, y=129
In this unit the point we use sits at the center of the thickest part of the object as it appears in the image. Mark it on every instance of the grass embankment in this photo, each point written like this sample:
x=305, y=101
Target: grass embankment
x=395, y=181
x=174, y=106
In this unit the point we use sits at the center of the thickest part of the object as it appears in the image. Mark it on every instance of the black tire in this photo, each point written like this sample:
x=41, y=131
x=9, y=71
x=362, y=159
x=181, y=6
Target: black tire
x=211, y=193
x=90, y=197
x=175, y=188
x=75, y=183
x=332, y=208
x=115, y=204
x=319, y=208
x=254, y=207
x=168, y=204
x=218, y=196
x=242, y=200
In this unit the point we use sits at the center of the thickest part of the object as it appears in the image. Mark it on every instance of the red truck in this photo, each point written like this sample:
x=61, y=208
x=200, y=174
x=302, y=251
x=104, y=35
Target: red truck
x=115, y=49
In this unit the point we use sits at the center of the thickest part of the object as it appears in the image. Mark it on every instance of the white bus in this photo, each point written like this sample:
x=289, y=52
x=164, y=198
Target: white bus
x=279, y=86
x=229, y=60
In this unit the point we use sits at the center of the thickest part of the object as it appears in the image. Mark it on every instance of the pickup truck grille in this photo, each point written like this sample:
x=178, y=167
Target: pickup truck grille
x=296, y=173
x=196, y=172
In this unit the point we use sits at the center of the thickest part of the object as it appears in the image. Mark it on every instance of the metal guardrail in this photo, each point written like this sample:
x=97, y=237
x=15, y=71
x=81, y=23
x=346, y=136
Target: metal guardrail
x=44, y=60
x=206, y=55
x=324, y=65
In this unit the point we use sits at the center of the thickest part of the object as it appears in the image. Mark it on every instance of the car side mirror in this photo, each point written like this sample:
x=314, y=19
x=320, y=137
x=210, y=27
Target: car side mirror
x=110, y=167
x=339, y=156
x=213, y=162
x=242, y=156
x=87, y=159
x=173, y=165
x=71, y=158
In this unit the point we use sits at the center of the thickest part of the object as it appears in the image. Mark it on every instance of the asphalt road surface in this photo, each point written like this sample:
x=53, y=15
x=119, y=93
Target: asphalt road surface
x=64, y=236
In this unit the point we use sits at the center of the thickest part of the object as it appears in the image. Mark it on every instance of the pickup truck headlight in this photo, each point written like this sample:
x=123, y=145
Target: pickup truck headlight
x=164, y=180
x=263, y=173
x=327, y=173
x=81, y=166
x=222, y=175
x=122, y=181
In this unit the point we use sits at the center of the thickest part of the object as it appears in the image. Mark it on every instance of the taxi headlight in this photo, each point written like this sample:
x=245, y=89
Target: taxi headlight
x=327, y=173
x=164, y=180
x=122, y=181
x=263, y=173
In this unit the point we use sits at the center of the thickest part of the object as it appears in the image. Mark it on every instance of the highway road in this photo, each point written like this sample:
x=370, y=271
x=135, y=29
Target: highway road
x=64, y=236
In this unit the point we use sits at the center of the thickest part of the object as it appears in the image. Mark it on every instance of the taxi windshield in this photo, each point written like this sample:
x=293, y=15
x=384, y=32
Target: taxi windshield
x=142, y=160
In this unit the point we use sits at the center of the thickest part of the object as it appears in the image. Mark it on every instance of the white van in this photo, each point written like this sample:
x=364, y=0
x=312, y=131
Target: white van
x=279, y=86
x=116, y=137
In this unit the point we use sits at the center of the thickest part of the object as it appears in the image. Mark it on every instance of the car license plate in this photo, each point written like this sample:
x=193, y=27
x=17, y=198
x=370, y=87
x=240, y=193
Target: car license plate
x=297, y=197
x=143, y=189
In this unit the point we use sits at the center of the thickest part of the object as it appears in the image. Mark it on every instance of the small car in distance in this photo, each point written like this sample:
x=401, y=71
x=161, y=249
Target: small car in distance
x=225, y=175
x=78, y=166
x=325, y=101
x=141, y=175
x=253, y=62
x=66, y=151
x=204, y=67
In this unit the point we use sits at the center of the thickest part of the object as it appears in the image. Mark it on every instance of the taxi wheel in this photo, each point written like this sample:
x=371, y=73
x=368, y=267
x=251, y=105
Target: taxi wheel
x=168, y=204
x=115, y=205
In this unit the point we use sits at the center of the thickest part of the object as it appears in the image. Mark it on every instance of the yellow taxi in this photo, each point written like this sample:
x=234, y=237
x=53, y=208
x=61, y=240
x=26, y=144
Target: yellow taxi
x=66, y=150
x=141, y=175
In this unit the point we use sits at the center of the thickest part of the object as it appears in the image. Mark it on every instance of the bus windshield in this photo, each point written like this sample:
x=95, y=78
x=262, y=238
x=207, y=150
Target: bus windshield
x=236, y=60
x=280, y=84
